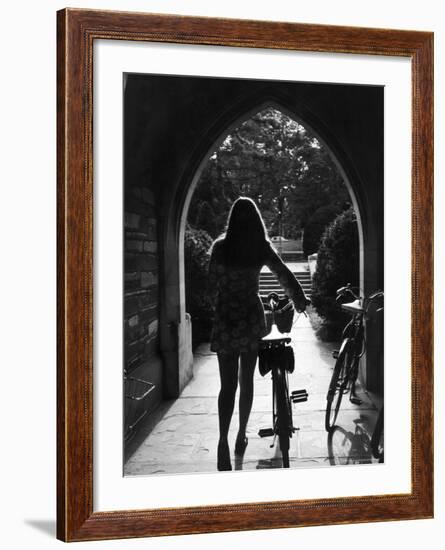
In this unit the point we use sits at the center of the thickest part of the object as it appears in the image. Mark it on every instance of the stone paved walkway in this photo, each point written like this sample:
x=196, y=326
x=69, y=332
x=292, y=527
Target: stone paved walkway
x=184, y=432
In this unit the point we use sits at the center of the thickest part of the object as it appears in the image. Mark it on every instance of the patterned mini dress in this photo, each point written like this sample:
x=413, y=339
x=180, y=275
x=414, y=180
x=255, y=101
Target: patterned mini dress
x=239, y=321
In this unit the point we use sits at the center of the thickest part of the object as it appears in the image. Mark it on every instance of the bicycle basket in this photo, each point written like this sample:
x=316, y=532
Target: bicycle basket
x=283, y=319
x=137, y=391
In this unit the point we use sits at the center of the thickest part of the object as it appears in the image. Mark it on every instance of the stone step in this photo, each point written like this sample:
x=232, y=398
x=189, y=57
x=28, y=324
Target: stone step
x=271, y=280
x=279, y=288
x=302, y=275
x=270, y=274
x=275, y=281
x=280, y=294
x=269, y=283
x=291, y=258
x=276, y=284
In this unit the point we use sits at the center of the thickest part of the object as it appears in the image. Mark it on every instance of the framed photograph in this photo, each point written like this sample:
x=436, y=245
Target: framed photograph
x=245, y=231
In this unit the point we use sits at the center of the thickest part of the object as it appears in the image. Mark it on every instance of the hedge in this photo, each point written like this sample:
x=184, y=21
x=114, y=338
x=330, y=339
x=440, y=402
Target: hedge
x=337, y=265
x=197, y=246
x=316, y=226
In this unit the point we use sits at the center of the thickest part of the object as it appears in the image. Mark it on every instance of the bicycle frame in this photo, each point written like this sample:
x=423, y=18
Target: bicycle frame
x=277, y=368
x=277, y=358
x=353, y=337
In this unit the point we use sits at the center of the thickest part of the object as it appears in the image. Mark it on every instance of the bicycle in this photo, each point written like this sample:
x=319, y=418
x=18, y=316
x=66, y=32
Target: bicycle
x=352, y=348
x=276, y=356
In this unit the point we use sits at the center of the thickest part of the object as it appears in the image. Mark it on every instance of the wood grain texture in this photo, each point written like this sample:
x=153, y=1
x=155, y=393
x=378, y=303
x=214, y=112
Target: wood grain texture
x=77, y=29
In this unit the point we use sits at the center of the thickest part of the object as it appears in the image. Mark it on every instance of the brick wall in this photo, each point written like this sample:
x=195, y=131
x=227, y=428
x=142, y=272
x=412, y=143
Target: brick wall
x=141, y=302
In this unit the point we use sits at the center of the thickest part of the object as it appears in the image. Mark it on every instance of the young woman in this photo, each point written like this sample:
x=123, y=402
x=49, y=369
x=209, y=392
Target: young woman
x=235, y=264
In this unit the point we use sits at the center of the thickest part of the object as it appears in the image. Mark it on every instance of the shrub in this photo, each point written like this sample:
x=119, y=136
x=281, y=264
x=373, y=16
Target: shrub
x=316, y=225
x=197, y=244
x=206, y=219
x=337, y=265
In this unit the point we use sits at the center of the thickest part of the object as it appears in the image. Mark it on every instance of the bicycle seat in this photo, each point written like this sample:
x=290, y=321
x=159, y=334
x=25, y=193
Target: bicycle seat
x=353, y=307
x=275, y=337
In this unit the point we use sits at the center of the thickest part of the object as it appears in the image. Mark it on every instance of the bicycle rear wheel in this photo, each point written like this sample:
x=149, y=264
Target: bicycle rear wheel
x=377, y=438
x=284, y=414
x=337, y=387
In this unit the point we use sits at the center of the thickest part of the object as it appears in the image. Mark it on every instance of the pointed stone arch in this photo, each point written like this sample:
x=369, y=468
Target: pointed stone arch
x=233, y=118
x=243, y=117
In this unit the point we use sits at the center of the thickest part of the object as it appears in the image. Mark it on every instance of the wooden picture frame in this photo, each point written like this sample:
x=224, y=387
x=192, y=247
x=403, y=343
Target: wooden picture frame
x=77, y=31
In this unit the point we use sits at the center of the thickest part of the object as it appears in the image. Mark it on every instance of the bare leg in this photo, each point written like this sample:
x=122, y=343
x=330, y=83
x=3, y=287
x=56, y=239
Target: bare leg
x=246, y=372
x=228, y=372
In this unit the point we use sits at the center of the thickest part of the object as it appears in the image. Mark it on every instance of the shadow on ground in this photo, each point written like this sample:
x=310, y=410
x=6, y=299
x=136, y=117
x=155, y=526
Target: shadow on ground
x=183, y=434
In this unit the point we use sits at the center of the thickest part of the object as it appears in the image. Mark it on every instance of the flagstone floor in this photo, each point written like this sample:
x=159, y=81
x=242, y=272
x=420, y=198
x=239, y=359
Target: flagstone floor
x=183, y=433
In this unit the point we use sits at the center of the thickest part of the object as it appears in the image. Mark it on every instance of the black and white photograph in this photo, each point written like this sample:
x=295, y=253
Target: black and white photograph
x=253, y=274
x=221, y=232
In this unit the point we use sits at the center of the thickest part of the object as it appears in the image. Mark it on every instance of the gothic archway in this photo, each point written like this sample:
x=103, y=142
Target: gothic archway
x=227, y=131
x=175, y=316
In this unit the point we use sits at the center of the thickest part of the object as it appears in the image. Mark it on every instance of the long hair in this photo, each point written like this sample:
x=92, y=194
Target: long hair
x=245, y=240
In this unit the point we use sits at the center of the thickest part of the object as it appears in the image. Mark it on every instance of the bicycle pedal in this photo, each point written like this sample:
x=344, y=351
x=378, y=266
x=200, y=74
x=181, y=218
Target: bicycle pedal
x=266, y=432
x=299, y=396
x=335, y=353
x=300, y=399
x=298, y=392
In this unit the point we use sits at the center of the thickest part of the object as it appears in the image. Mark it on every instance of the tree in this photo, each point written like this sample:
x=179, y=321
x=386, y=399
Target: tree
x=280, y=165
x=274, y=160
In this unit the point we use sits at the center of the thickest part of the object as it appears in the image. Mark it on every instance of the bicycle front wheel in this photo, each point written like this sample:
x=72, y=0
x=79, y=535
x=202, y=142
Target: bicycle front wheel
x=284, y=414
x=337, y=387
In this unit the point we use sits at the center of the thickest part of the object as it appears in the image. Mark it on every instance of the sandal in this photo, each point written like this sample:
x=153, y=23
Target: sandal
x=223, y=463
x=240, y=446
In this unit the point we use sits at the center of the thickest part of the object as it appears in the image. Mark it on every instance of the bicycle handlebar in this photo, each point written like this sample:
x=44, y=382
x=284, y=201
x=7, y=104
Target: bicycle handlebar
x=348, y=289
x=273, y=301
